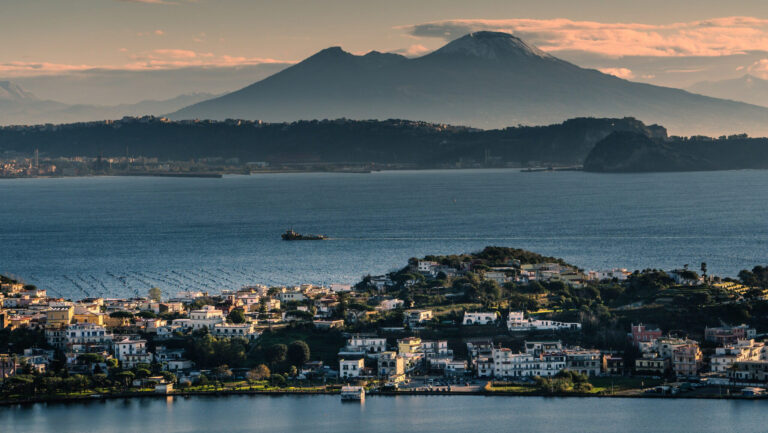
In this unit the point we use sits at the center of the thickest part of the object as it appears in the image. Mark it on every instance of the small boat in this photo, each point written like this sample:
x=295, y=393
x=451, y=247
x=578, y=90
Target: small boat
x=291, y=235
x=352, y=393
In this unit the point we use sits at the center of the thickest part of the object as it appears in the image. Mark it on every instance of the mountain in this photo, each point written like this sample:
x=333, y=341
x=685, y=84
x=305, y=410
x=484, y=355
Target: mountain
x=484, y=79
x=627, y=151
x=746, y=88
x=19, y=107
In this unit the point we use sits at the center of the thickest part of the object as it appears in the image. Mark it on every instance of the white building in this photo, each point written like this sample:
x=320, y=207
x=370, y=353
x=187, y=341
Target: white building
x=414, y=318
x=366, y=344
x=87, y=334
x=206, y=317
x=351, y=368
x=291, y=296
x=743, y=350
x=244, y=330
x=479, y=318
x=507, y=364
x=426, y=267
x=390, y=304
x=516, y=321
x=131, y=352
x=584, y=361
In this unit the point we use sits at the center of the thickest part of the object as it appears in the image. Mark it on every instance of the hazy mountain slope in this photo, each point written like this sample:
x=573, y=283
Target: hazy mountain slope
x=19, y=107
x=747, y=88
x=484, y=79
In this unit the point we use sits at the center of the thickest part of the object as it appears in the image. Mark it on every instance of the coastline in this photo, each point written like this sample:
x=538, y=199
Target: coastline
x=291, y=392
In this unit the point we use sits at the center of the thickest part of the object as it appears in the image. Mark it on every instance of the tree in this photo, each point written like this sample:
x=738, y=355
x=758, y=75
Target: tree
x=276, y=353
x=222, y=372
x=260, y=372
x=155, y=294
x=277, y=380
x=236, y=316
x=298, y=353
x=125, y=377
x=146, y=314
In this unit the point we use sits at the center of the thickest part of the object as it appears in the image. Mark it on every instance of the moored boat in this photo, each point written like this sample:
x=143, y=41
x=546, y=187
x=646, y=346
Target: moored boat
x=291, y=235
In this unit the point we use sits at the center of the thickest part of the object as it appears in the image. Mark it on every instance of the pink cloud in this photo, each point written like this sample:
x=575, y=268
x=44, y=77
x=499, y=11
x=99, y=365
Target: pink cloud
x=712, y=37
x=413, y=51
x=759, y=68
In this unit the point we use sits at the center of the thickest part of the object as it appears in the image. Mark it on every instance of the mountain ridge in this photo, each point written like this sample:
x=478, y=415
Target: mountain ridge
x=468, y=82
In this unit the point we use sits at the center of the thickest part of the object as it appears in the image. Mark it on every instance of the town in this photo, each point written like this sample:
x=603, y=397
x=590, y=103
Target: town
x=499, y=321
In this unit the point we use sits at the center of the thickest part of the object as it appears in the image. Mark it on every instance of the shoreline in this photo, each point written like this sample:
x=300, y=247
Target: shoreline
x=226, y=393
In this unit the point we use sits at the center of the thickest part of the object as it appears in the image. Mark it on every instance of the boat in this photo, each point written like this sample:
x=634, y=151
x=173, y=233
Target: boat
x=291, y=235
x=352, y=393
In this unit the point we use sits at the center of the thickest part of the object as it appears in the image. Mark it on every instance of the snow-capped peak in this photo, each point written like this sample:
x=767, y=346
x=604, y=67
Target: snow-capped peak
x=492, y=45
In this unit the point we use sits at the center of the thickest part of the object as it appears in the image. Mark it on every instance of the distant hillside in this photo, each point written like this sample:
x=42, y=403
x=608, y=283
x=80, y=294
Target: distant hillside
x=484, y=80
x=747, y=88
x=386, y=142
x=631, y=152
x=19, y=107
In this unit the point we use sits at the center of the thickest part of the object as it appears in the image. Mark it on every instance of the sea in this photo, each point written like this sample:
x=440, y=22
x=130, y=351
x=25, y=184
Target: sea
x=417, y=414
x=120, y=236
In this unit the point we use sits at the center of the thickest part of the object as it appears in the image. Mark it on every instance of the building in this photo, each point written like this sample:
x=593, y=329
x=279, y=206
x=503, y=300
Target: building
x=728, y=335
x=409, y=345
x=436, y=348
x=479, y=318
x=414, y=318
x=9, y=365
x=351, y=368
x=507, y=364
x=80, y=336
x=536, y=348
x=686, y=360
x=243, y=330
x=651, y=364
x=613, y=365
x=59, y=316
x=366, y=344
x=726, y=356
x=206, y=317
x=643, y=334
x=584, y=361
x=516, y=321
x=749, y=371
x=131, y=352
x=391, y=366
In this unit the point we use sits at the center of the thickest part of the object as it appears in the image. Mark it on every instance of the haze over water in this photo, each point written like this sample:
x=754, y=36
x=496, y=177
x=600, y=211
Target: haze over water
x=120, y=235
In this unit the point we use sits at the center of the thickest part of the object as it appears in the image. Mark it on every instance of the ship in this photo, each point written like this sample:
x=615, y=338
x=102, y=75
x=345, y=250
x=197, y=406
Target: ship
x=352, y=393
x=291, y=235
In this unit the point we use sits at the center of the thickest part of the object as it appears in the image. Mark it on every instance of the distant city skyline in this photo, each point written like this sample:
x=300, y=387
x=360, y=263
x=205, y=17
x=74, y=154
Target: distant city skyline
x=673, y=43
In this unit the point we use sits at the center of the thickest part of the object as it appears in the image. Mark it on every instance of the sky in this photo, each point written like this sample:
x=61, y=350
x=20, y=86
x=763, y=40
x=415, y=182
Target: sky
x=670, y=42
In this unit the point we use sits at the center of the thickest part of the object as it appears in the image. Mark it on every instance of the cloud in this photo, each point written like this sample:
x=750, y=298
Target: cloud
x=413, y=51
x=712, y=37
x=159, y=59
x=159, y=32
x=618, y=72
x=151, y=2
x=759, y=69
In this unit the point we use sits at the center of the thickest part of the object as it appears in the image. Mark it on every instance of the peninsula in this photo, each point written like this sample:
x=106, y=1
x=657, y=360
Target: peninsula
x=501, y=321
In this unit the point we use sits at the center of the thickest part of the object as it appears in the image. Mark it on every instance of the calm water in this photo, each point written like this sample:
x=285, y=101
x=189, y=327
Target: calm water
x=116, y=236
x=445, y=414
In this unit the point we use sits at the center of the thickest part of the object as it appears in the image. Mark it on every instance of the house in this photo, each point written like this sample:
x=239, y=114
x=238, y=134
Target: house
x=479, y=318
x=391, y=366
x=414, y=318
x=687, y=359
x=131, y=352
x=328, y=324
x=613, y=365
x=351, y=368
x=409, y=345
x=291, y=296
x=516, y=321
x=59, y=316
x=243, y=330
x=651, y=364
x=80, y=337
x=643, y=334
x=538, y=347
x=426, y=266
x=390, y=304
x=727, y=335
x=206, y=317
x=436, y=348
